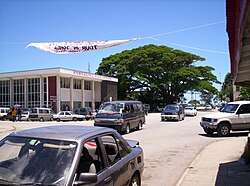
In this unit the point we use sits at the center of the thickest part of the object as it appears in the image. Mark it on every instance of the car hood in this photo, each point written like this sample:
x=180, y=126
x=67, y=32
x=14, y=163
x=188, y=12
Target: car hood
x=218, y=115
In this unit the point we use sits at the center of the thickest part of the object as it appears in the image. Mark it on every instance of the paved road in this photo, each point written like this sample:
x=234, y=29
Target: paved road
x=169, y=147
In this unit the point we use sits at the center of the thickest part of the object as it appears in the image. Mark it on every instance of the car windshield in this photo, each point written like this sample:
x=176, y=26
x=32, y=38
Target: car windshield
x=230, y=108
x=171, y=107
x=111, y=107
x=29, y=160
x=189, y=108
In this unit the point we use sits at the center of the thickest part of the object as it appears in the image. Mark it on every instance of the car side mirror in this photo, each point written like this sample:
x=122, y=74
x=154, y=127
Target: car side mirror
x=86, y=178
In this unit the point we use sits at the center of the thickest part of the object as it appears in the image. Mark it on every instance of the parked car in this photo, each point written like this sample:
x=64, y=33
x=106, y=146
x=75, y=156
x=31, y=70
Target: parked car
x=208, y=107
x=121, y=115
x=86, y=111
x=3, y=113
x=233, y=116
x=70, y=155
x=41, y=114
x=190, y=111
x=67, y=116
x=25, y=114
x=173, y=112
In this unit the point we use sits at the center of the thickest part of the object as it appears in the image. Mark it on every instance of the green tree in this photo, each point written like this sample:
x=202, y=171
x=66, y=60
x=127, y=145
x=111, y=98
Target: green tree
x=244, y=93
x=160, y=73
x=227, y=88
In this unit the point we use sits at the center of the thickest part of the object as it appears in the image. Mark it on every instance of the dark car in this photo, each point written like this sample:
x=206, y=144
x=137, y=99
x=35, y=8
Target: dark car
x=86, y=111
x=121, y=115
x=70, y=155
x=173, y=112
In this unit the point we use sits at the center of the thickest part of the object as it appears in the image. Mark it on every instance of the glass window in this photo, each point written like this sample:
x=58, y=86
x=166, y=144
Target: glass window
x=33, y=92
x=4, y=93
x=77, y=84
x=64, y=82
x=87, y=85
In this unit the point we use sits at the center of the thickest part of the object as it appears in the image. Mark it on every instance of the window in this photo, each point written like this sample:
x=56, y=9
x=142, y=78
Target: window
x=19, y=92
x=244, y=109
x=114, y=148
x=5, y=93
x=87, y=85
x=91, y=159
x=77, y=84
x=65, y=82
x=33, y=92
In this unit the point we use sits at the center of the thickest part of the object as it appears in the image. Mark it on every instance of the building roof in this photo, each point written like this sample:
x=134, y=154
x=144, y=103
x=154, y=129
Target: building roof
x=238, y=24
x=55, y=71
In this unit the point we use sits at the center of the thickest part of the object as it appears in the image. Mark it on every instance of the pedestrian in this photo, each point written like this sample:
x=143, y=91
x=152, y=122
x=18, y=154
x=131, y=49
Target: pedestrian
x=19, y=114
x=13, y=114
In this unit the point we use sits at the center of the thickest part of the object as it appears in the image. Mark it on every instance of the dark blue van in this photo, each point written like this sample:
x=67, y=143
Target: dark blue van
x=121, y=115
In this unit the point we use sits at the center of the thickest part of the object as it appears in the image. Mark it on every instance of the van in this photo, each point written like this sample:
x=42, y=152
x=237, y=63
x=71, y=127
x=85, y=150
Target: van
x=41, y=114
x=121, y=115
x=3, y=113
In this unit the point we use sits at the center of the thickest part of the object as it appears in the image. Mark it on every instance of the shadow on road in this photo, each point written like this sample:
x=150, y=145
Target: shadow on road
x=233, y=174
x=232, y=134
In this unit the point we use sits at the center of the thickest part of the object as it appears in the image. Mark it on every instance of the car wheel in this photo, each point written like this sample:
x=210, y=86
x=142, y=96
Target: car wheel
x=140, y=125
x=135, y=181
x=41, y=119
x=127, y=130
x=51, y=119
x=223, y=129
x=58, y=120
x=208, y=131
x=74, y=119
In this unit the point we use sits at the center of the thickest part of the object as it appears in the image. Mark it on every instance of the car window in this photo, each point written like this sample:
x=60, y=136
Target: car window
x=67, y=113
x=114, y=148
x=30, y=160
x=230, y=108
x=91, y=159
x=244, y=109
x=61, y=113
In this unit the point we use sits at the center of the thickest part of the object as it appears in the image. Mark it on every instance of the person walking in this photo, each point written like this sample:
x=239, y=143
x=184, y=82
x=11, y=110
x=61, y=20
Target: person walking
x=19, y=114
x=13, y=114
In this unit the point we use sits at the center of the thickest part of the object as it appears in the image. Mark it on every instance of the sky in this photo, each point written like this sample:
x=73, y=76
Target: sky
x=195, y=26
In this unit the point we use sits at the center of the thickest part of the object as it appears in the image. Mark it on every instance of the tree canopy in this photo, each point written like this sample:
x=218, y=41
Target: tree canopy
x=155, y=74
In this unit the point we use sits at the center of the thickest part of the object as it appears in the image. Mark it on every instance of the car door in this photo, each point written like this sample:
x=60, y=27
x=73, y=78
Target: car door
x=119, y=163
x=244, y=116
x=68, y=116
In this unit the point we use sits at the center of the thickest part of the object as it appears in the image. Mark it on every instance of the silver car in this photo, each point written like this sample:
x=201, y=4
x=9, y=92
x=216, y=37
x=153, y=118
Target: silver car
x=68, y=116
x=70, y=155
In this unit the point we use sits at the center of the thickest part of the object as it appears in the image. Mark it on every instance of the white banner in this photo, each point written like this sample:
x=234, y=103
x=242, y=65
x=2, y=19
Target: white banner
x=72, y=47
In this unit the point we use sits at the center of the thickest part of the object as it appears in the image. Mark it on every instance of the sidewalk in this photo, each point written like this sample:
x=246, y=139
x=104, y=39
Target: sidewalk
x=219, y=164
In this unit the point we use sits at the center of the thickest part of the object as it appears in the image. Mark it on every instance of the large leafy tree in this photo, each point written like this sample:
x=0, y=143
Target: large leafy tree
x=157, y=73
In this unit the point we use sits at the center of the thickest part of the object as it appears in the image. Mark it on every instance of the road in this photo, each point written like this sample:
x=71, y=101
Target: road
x=169, y=147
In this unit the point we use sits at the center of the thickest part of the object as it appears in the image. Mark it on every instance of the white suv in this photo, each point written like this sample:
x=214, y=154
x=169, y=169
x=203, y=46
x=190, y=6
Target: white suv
x=234, y=116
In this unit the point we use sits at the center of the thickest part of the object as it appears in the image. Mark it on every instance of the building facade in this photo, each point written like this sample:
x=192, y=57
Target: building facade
x=58, y=88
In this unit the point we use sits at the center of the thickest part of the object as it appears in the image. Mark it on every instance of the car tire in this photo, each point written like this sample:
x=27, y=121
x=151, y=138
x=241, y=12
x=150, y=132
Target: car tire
x=74, y=119
x=140, y=125
x=223, y=129
x=41, y=119
x=58, y=120
x=127, y=129
x=209, y=131
x=135, y=181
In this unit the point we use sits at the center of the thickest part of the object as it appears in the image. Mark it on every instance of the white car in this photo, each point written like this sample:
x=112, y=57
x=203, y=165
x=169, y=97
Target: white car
x=208, y=107
x=234, y=116
x=68, y=116
x=190, y=111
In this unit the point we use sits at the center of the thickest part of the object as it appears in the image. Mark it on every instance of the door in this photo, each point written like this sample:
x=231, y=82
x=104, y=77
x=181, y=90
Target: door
x=244, y=116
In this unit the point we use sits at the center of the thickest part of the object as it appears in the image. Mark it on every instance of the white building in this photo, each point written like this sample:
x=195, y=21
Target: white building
x=57, y=88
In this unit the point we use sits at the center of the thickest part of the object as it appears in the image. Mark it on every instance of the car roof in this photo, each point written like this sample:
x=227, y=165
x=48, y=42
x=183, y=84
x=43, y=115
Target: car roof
x=62, y=132
x=123, y=102
x=239, y=102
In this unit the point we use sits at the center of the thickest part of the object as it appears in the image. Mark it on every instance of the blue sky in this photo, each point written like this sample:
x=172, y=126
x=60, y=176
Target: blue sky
x=179, y=21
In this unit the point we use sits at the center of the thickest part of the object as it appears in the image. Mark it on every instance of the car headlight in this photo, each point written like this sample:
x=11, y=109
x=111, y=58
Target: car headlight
x=214, y=120
x=119, y=121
